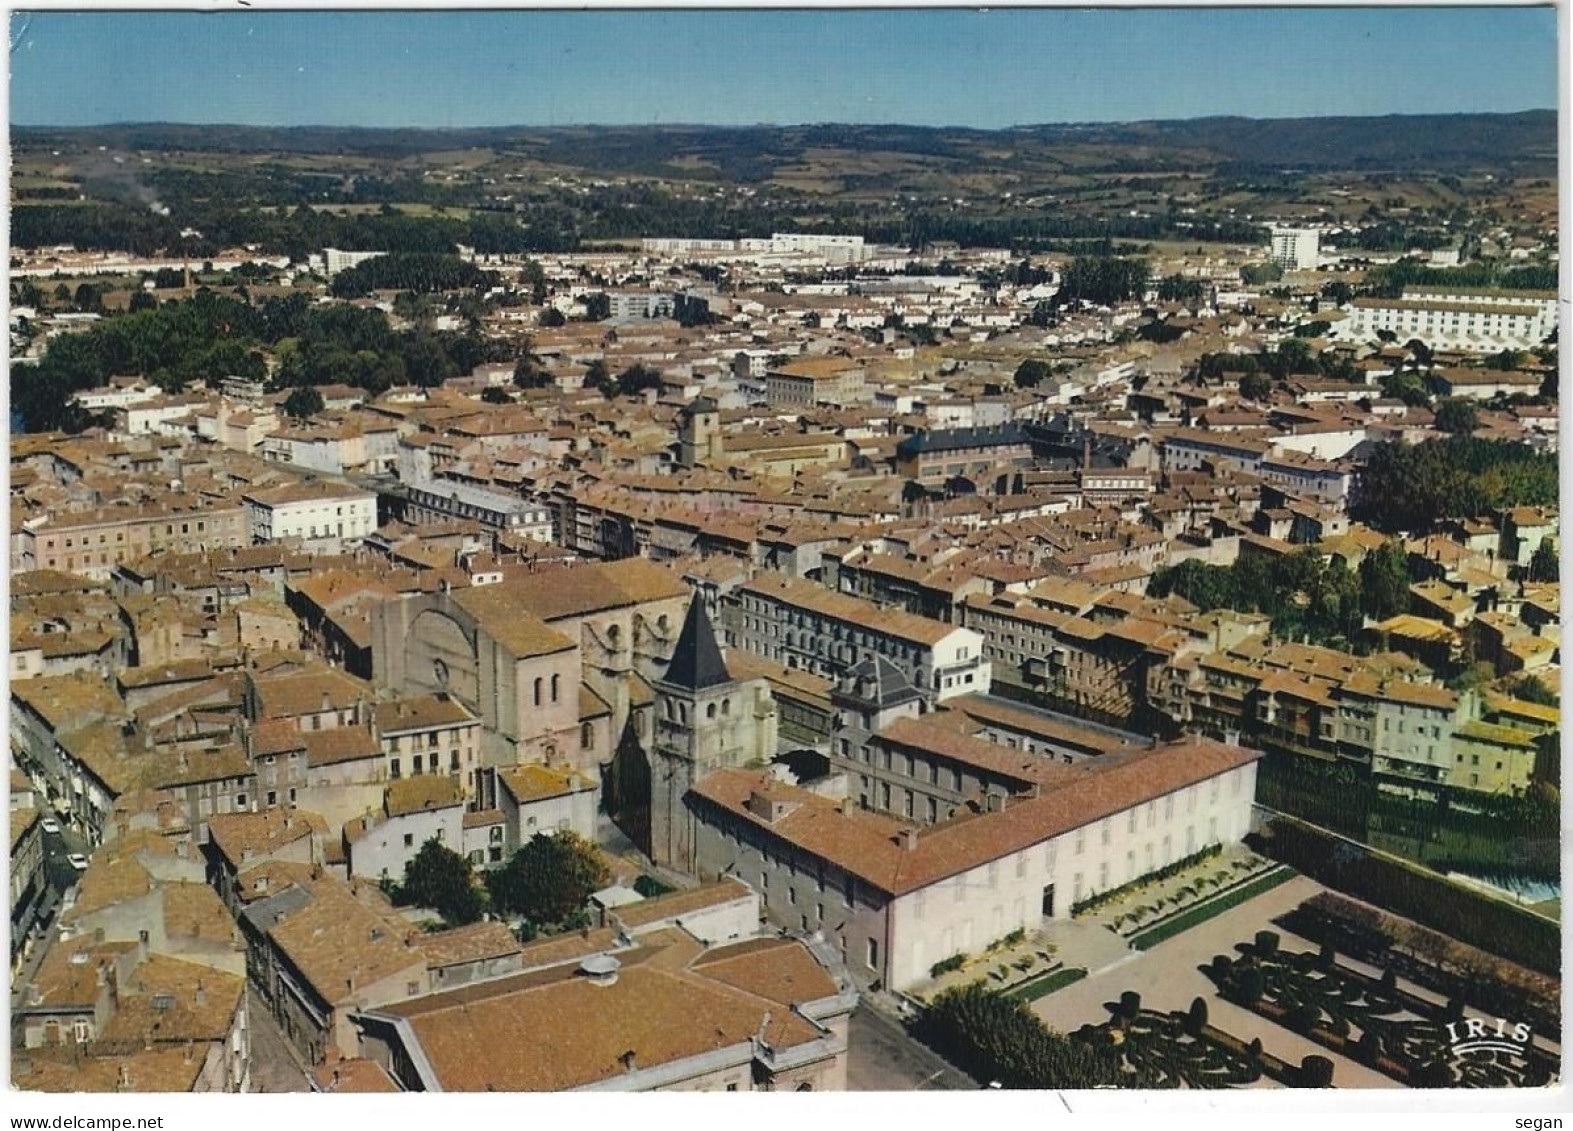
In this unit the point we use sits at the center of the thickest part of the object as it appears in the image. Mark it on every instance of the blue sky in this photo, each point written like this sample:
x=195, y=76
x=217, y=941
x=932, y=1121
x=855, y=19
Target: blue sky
x=934, y=67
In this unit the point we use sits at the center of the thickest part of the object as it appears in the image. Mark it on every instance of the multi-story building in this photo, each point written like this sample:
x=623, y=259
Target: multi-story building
x=435, y=501
x=325, y=518
x=1473, y=321
x=801, y=625
x=93, y=542
x=810, y=381
x=1034, y=837
x=974, y=453
x=646, y=1007
x=1296, y=249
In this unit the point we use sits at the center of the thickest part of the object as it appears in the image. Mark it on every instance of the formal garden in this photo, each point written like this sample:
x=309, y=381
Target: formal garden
x=1429, y=959
x=1021, y=963
x=1371, y=1020
x=1180, y=1049
x=1180, y=895
x=996, y=1038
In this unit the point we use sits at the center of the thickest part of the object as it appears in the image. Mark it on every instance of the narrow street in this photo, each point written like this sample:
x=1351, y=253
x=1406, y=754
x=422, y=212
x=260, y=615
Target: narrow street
x=274, y=1066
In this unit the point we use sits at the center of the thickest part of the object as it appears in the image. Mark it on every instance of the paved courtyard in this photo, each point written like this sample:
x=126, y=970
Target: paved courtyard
x=1169, y=976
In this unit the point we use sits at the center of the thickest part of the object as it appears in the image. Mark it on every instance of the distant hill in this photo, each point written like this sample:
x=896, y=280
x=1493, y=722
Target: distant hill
x=1436, y=143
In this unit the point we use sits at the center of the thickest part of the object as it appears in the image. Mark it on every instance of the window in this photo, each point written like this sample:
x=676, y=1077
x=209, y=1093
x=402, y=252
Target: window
x=586, y=736
x=873, y=954
x=409, y=840
x=555, y=678
x=537, y=691
x=393, y=767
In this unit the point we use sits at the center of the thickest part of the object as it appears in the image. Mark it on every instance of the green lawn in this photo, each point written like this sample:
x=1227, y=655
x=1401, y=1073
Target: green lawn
x=1212, y=908
x=1042, y=987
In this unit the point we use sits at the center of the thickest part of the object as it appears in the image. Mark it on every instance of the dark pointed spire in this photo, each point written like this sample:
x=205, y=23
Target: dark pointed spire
x=696, y=660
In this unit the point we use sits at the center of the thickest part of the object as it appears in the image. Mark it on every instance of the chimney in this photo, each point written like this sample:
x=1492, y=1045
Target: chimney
x=201, y=996
x=908, y=839
x=628, y=1061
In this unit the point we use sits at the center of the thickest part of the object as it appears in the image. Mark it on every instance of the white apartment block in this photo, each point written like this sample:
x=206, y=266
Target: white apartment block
x=833, y=249
x=1477, y=321
x=1296, y=249
x=801, y=625
x=335, y=260
x=326, y=518
x=639, y=304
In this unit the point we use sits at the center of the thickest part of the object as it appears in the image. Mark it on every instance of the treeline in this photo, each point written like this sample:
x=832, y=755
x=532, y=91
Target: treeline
x=1103, y=279
x=93, y=227
x=1390, y=281
x=1306, y=595
x=418, y=272
x=1409, y=488
x=211, y=336
x=296, y=232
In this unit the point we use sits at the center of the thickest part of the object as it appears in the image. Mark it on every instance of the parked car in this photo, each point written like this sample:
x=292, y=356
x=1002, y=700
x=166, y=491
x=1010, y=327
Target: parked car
x=50, y=825
x=77, y=861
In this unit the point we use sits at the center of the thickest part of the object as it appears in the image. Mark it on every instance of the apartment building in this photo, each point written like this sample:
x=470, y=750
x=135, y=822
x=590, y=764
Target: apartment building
x=1295, y=249
x=801, y=625
x=325, y=518
x=1473, y=322
x=810, y=381
x=948, y=453
x=93, y=542
x=438, y=501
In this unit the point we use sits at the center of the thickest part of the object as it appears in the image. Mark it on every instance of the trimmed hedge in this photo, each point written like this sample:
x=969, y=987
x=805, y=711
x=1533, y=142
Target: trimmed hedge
x=1404, y=889
x=1202, y=912
x=1048, y=984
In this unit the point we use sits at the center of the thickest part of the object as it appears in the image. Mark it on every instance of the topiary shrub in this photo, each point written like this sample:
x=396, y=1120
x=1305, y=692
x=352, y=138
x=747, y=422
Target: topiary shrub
x=1196, y=1018
x=1266, y=942
x=1316, y=1072
x=1326, y=958
x=946, y=965
x=1130, y=1003
x=1303, y=1017
x=1251, y=986
x=1368, y=1048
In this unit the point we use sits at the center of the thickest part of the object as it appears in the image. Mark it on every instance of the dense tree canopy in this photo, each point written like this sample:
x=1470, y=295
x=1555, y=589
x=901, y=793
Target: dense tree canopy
x=549, y=879
x=210, y=336
x=440, y=878
x=994, y=1038
x=1457, y=415
x=1384, y=581
x=1406, y=489
x=1104, y=279
x=417, y=272
x=1305, y=594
